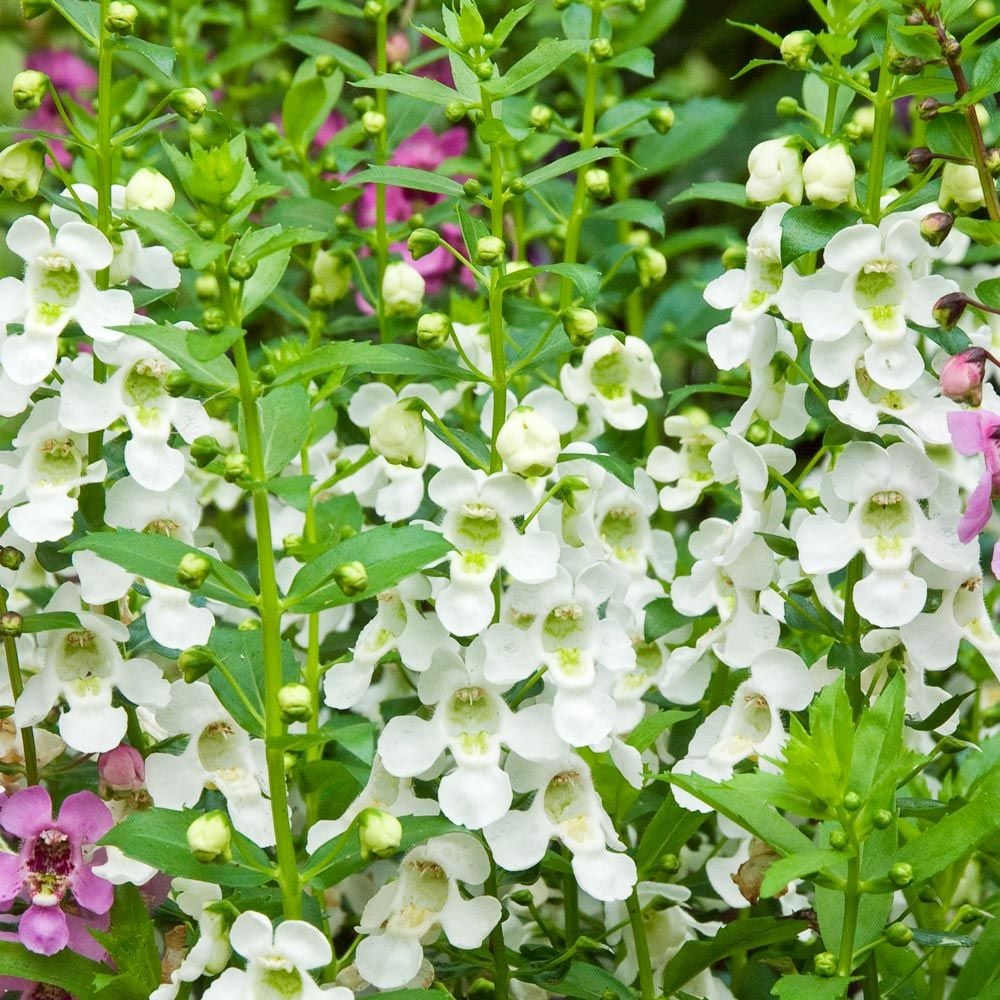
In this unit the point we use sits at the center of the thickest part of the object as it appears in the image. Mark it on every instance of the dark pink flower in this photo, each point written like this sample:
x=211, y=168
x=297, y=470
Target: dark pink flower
x=121, y=770
x=977, y=432
x=49, y=865
x=962, y=376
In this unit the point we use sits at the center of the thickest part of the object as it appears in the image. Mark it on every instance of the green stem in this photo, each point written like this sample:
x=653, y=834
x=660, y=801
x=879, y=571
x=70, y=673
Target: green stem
x=16, y=687
x=577, y=213
x=852, y=631
x=646, y=987
x=880, y=139
x=345, y=473
x=852, y=903
x=501, y=970
x=381, y=156
x=571, y=906
x=870, y=986
x=270, y=616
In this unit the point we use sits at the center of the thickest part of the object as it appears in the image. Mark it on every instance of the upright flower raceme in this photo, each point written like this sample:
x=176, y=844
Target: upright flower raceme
x=49, y=869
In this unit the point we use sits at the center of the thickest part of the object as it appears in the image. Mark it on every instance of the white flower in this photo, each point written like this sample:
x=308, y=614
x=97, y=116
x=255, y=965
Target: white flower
x=219, y=753
x=829, y=175
x=472, y=721
x=396, y=430
x=751, y=726
x=878, y=292
x=687, y=468
x=58, y=288
x=528, y=442
x=478, y=522
x=150, y=190
x=84, y=667
x=961, y=188
x=565, y=807
x=41, y=479
x=402, y=289
x=611, y=374
x=277, y=962
x=426, y=896
x=883, y=488
x=775, y=168
x=137, y=392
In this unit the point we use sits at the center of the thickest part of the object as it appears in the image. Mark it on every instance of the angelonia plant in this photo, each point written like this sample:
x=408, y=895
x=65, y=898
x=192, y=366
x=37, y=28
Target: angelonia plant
x=408, y=587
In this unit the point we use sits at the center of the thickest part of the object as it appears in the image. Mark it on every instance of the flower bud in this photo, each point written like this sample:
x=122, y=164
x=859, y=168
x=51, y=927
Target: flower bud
x=121, y=18
x=194, y=662
x=373, y=10
x=528, y=443
x=193, y=570
x=602, y=49
x=11, y=624
x=149, y=189
x=28, y=89
x=962, y=376
x=472, y=188
x=597, y=183
x=210, y=837
x=775, y=169
x=21, y=169
x=829, y=176
x=213, y=319
x=521, y=897
x=901, y=874
x=960, y=188
x=919, y=159
x=295, y=702
x=397, y=48
x=325, y=65
x=825, y=964
x=421, y=242
x=662, y=119
x=540, y=117
x=936, y=227
x=373, y=122
x=490, y=250
x=121, y=771
x=240, y=269
x=177, y=383
x=788, y=107
x=898, y=935
x=397, y=434
x=580, y=325
x=927, y=894
x=852, y=801
x=882, y=819
x=669, y=864
x=331, y=279
x=11, y=558
x=992, y=161
x=433, y=331
x=380, y=833
x=455, y=112
x=797, y=47
x=402, y=290
x=948, y=309
x=352, y=577
x=651, y=265
x=190, y=103
x=203, y=449
x=235, y=467
x=838, y=840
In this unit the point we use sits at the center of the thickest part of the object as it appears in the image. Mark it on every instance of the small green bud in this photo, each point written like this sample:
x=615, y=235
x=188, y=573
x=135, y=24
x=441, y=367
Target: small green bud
x=580, y=325
x=206, y=287
x=373, y=122
x=210, y=837
x=734, y=256
x=194, y=662
x=22, y=166
x=379, y=832
x=602, y=49
x=240, y=269
x=249, y=625
x=517, y=187
x=597, y=183
x=295, y=702
x=266, y=374
x=270, y=133
x=796, y=48
x=292, y=544
x=203, y=449
x=178, y=382
x=481, y=989
x=852, y=801
x=363, y=103
x=190, y=103
x=373, y=10
x=213, y=319
x=670, y=864
x=235, y=467
x=992, y=161
x=421, y=242
x=455, y=112
x=788, y=107
x=472, y=188
x=193, y=570
x=11, y=558
x=662, y=119
x=825, y=964
x=901, y=874
x=28, y=89
x=488, y=42
x=636, y=6
x=11, y=624
x=433, y=330
x=838, y=840
x=121, y=18
x=181, y=258
x=898, y=935
x=490, y=250
x=484, y=69
x=948, y=309
x=476, y=116
x=325, y=65
x=351, y=577
x=882, y=819
x=651, y=265
x=540, y=117
x=206, y=230
x=521, y=897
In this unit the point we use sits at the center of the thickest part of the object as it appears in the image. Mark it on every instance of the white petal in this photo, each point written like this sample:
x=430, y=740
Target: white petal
x=890, y=600
x=468, y=922
x=408, y=746
x=388, y=961
x=474, y=796
x=28, y=237
x=306, y=946
x=605, y=875
x=825, y=545
x=519, y=840
x=154, y=267
x=531, y=557
x=251, y=934
x=88, y=247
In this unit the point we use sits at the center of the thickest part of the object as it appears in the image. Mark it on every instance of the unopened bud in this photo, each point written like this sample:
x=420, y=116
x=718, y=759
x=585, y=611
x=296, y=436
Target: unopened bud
x=28, y=89
x=882, y=819
x=373, y=122
x=898, y=935
x=292, y=544
x=825, y=964
x=249, y=625
x=34, y=8
x=828, y=175
x=331, y=279
x=788, y=107
x=11, y=558
x=295, y=703
x=190, y=103
x=919, y=159
x=210, y=837
x=402, y=289
x=177, y=383
x=11, y=624
x=193, y=570
x=213, y=319
x=961, y=188
x=351, y=577
x=490, y=250
x=421, y=242
x=203, y=449
x=21, y=168
x=541, y=117
x=901, y=874
x=662, y=119
x=472, y=188
x=397, y=434
x=928, y=109
x=235, y=467
x=373, y=10
x=597, y=183
x=651, y=265
x=797, y=47
x=936, y=226
x=379, y=832
x=194, y=662
x=521, y=897
x=838, y=840
x=433, y=331
x=948, y=309
x=580, y=325
x=455, y=112
x=149, y=189
x=121, y=18
x=670, y=864
x=241, y=269
x=121, y=770
x=852, y=801
x=962, y=376
x=325, y=65
x=602, y=49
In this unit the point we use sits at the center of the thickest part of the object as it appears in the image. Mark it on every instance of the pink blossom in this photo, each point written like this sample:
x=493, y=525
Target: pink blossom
x=962, y=376
x=67, y=71
x=121, y=770
x=977, y=432
x=49, y=865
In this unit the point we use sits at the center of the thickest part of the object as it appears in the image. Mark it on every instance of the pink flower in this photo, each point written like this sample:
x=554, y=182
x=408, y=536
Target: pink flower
x=962, y=375
x=49, y=864
x=121, y=770
x=977, y=432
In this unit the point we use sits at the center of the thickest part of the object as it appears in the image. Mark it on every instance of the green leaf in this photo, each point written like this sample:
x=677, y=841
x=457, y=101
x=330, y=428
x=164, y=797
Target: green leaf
x=782, y=546
x=158, y=837
x=420, y=87
x=350, y=62
x=217, y=374
x=509, y=22
x=980, y=967
x=567, y=164
x=649, y=26
x=130, y=941
x=546, y=56
x=161, y=57
x=795, y=866
x=702, y=123
x=307, y=104
x=725, y=191
x=389, y=555
x=584, y=981
x=70, y=971
x=294, y=490
x=207, y=346
x=742, y=935
x=985, y=232
x=156, y=557
x=662, y=617
x=175, y=234
x=284, y=414
x=677, y=396
x=263, y=281
x=986, y=75
x=756, y=29
x=587, y=279
x=84, y=17
x=407, y=177
x=942, y=713
x=47, y=621
x=635, y=210
x=618, y=467
x=670, y=828
x=805, y=228
x=941, y=939
x=988, y=292
x=242, y=654
x=637, y=60
x=652, y=727
x=810, y=988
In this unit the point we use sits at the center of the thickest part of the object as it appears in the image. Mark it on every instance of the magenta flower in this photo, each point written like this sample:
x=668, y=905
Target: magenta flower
x=49, y=865
x=962, y=376
x=977, y=432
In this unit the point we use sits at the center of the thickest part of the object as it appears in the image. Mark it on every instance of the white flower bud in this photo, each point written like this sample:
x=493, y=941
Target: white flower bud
x=380, y=833
x=373, y=122
x=397, y=434
x=21, y=168
x=331, y=279
x=960, y=188
x=28, y=89
x=210, y=837
x=528, y=443
x=829, y=176
x=775, y=173
x=149, y=189
x=651, y=265
x=190, y=103
x=402, y=289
